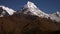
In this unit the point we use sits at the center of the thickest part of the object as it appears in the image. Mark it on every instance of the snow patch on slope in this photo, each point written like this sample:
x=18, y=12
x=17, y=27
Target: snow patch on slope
x=55, y=16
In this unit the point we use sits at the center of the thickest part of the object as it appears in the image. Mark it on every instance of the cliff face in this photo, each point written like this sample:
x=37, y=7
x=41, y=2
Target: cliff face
x=27, y=24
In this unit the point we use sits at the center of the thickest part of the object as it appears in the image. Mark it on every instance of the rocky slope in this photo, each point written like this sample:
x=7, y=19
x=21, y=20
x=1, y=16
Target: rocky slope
x=27, y=24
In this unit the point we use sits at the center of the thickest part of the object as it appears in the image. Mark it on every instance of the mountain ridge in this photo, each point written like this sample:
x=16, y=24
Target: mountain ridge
x=31, y=9
x=5, y=10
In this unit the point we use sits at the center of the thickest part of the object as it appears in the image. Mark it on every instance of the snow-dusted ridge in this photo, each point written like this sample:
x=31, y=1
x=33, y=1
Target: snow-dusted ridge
x=6, y=10
x=9, y=10
x=31, y=8
x=55, y=16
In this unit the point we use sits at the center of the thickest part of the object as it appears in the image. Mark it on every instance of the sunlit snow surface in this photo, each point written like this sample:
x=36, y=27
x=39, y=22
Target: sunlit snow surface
x=55, y=16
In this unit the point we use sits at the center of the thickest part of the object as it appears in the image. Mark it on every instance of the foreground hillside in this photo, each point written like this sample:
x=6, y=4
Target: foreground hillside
x=27, y=24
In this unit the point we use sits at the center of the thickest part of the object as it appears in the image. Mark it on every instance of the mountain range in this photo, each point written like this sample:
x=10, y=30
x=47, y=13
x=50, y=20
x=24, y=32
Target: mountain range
x=28, y=20
x=5, y=11
x=30, y=9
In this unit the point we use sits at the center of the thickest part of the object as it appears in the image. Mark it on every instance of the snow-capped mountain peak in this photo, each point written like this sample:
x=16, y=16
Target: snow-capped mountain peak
x=31, y=8
x=55, y=16
x=58, y=14
x=4, y=10
x=9, y=10
x=31, y=5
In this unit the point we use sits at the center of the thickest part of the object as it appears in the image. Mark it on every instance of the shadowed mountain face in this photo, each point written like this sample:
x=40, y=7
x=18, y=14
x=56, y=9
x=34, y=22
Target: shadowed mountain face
x=27, y=24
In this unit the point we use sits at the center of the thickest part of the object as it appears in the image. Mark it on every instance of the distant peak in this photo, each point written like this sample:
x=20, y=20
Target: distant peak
x=7, y=9
x=31, y=4
x=58, y=12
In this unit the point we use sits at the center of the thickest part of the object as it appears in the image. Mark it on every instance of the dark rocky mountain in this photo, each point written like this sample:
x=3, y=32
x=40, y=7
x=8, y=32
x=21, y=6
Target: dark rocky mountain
x=27, y=24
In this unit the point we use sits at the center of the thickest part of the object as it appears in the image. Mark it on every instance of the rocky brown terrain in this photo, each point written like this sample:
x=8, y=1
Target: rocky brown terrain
x=27, y=24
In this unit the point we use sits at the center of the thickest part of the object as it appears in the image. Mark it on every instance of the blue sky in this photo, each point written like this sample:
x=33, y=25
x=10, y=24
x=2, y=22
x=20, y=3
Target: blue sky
x=48, y=6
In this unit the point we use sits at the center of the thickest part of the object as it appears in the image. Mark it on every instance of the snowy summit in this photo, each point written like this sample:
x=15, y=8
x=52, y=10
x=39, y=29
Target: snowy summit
x=31, y=8
x=4, y=11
